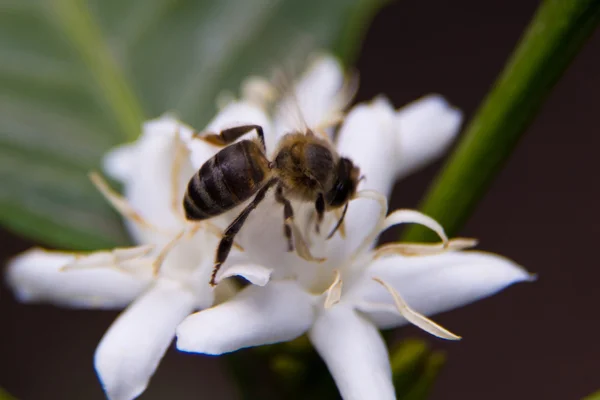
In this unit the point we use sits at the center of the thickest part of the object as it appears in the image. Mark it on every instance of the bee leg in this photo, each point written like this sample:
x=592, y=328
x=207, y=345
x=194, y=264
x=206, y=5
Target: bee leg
x=228, y=136
x=342, y=229
x=320, y=207
x=288, y=216
x=233, y=228
x=339, y=223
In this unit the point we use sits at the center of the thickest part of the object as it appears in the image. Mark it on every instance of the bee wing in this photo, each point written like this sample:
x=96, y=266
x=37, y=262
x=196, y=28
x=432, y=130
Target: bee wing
x=317, y=100
x=290, y=117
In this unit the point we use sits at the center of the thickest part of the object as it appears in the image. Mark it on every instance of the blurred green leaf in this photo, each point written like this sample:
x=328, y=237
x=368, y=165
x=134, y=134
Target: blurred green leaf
x=593, y=396
x=4, y=395
x=422, y=386
x=414, y=368
x=408, y=359
x=552, y=40
x=79, y=76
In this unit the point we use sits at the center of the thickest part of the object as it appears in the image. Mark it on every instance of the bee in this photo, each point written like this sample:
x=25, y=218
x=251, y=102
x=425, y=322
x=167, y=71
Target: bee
x=305, y=167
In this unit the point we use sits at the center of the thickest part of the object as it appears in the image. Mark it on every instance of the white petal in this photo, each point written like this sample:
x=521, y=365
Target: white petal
x=131, y=349
x=36, y=276
x=426, y=128
x=366, y=138
x=278, y=312
x=433, y=284
x=318, y=95
x=241, y=264
x=333, y=294
x=190, y=260
x=355, y=354
x=150, y=185
x=233, y=114
x=264, y=242
x=253, y=273
x=119, y=162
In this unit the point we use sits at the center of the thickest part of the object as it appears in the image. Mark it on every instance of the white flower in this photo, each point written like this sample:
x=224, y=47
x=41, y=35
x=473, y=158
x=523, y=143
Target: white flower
x=342, y=305
x=160, y=282
x=165, y=278
x=338, y=302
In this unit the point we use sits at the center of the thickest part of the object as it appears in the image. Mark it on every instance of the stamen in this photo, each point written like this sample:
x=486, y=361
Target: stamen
x=423, y=249
x=414, y=317
x=120, y=204
x=178, y=158
x=300, y=244
x=258, y=91
x=334, y=292
x=350, y=87
x=106, y=259
x=128, y=253
x=414, y=217
x=330, y=121
x=160, y=258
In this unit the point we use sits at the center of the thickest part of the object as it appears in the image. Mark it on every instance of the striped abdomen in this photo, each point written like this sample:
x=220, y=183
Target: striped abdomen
x=232, y=176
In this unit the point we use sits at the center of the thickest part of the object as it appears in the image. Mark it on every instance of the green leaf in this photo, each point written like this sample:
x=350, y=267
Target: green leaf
x=414, y=368
x=4, y=395
x=79, y=76
x=407, y=360
x=593, y=396
x=554, y=37
x=422, y=386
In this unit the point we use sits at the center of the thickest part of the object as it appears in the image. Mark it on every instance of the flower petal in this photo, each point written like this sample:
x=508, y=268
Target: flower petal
x=355, y=354
x=253, y=273
x=119, y=162
x=278, y=312
x=319, y=97
x=131, y=349
x=365, y=138
x=37, y=276
x=433, y=284
x=155, y=171
x=426, y=129
x=242, y=265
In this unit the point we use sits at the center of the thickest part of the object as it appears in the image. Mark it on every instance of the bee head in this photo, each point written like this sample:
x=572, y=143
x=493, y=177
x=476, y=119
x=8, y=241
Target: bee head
x=344, y=187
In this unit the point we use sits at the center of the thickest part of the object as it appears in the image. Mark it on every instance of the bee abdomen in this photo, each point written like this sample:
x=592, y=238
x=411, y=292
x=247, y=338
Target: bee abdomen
x=226, y=180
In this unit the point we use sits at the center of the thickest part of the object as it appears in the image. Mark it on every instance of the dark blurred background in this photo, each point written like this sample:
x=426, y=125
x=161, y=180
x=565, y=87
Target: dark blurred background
x=533, y=341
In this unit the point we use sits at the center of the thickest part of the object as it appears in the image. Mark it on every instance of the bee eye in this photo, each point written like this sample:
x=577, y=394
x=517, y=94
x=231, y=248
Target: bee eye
x=339, y=194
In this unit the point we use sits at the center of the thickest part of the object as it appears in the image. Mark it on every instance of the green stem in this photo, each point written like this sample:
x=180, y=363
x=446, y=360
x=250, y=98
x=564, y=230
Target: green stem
x=554, y=37
x=83, y=31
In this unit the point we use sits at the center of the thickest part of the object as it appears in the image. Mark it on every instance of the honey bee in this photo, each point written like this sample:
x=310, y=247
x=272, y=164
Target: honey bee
x=305, y=168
